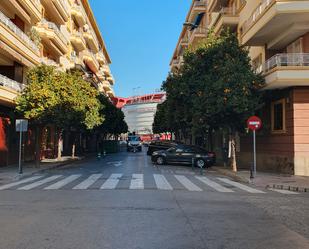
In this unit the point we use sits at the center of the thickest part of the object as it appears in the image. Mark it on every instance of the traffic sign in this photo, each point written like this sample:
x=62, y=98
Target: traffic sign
x=21, y=125
x=254, y=123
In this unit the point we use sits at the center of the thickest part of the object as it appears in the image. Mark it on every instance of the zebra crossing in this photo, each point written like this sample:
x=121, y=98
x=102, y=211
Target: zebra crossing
x=134, y=182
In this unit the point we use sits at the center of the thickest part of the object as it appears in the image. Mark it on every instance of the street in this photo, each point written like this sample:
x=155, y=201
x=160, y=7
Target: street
x=124, y=201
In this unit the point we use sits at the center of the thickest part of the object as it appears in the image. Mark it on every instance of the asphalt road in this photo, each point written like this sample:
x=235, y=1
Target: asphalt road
x=125, y=202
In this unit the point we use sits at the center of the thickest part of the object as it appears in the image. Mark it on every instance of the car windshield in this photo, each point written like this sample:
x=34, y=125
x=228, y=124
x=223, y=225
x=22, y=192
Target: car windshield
x=134, y=139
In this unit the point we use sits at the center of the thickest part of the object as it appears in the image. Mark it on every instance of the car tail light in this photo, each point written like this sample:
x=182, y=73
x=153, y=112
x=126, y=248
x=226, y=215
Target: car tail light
x=211, y=154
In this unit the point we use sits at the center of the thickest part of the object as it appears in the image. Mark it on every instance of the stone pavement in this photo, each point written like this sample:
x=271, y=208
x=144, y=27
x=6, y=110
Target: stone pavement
x=10, y=173
x=268, y=180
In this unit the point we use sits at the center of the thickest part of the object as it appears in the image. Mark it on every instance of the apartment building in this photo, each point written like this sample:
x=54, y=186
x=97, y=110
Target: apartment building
x=277, y=37
x=61, y=33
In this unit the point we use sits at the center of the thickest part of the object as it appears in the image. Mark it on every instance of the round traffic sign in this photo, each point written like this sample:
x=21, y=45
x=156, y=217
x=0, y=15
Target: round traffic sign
x=254, y=123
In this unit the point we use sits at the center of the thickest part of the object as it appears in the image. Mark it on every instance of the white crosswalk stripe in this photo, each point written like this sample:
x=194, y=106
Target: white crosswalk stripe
x=111, y=182
x=63, y=182
x=283, y=191
x=137, y=181
x=187, y=183
x=214, y=185
x=161, y=182
x=241, y=186
x=88, y=182
x=13, y=184
x=39, y=183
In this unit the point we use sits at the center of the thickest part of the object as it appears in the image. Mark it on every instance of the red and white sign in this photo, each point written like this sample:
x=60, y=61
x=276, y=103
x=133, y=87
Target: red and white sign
x=254, y=123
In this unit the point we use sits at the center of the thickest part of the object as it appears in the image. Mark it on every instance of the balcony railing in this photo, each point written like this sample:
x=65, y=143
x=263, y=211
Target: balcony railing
x=55, y=28
x=286, y=60
x=49, y=62
x=256, y=14
x=7, y=82
x=8, y=23
x=228, y=11
x=199, y=3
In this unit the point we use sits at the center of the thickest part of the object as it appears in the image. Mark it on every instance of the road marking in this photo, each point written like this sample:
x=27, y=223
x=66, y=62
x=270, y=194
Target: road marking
x=187, y=183
x=161, y=182
x=284, y=191
x=116, y=163
x=13, y=184
x=111, y=182
x=240, y=186
x=39, y=183
x=214, y=185
x=137, y=181
x=63, y=182
x=88, y=182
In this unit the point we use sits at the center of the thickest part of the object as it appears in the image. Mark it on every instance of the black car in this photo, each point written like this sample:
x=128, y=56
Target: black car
x=160, y=145
x=184, y=154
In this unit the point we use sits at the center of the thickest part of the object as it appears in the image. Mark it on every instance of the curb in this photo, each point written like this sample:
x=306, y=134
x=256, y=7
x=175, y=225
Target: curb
x=287, y=187
x=231, y=174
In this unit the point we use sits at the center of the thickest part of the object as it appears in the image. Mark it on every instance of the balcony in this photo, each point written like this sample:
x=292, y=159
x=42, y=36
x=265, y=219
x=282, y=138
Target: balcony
x=276, y=23
x=216, y=5
x=52, y=37
x=79, y=14
x=58, y=10
x=101, y=58
x=111, y=80
x=197, y=34
x=15, y=42
x=106, y=70
x=107, y=86
x=90, y=60
x=9, y=90
x=199, y=5
x=33, y=7
x=227, y=19
x=110, y=93
x=49, y=62
x=287, y=70
x=78, y=41
x=91, y=39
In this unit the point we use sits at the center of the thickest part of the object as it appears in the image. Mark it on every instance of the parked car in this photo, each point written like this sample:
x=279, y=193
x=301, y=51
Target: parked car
x=134, y=143
x=184, y=154
x=157, y=145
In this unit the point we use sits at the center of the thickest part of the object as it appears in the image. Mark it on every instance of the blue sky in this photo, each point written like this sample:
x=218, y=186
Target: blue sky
x=140, y=36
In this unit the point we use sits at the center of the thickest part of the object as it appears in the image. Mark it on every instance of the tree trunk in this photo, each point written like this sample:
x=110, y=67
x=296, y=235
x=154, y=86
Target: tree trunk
x=233, y=152
x=60, y=144
x=38, y=131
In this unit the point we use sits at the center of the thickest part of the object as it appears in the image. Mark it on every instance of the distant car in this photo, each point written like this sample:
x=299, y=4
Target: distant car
x=184, y=154
x=157, y=145
x=134, y=143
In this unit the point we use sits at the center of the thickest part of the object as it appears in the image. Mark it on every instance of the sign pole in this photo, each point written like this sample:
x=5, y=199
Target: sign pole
x=254, y=154
x=19, y=159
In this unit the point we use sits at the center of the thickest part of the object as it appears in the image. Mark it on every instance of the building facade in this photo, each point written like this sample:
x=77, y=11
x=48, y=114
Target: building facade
x=139, y=112
x=61, y=33
x=277, y=37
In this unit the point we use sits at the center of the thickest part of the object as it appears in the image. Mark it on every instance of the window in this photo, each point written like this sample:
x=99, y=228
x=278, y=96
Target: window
x=278, y=116
x=296, y=46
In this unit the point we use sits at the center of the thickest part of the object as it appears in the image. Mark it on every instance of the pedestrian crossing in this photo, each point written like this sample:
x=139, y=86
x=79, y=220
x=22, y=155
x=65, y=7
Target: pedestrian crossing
x=115, y=181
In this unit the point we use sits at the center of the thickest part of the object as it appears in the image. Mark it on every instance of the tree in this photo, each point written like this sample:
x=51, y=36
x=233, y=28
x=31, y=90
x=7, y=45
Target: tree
x=114, y=123
x=60, y=98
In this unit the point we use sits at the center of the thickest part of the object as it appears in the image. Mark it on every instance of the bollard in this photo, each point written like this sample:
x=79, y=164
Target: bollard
x=99, y=156
x=192, y=165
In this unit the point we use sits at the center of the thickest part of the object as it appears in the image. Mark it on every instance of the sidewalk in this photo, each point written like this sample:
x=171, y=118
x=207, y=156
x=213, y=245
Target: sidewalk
x=268, y=180
x=10, y=173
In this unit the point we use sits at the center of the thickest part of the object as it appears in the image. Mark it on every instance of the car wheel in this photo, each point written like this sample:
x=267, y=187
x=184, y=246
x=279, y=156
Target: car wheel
x=200, y=163
x=160, y=160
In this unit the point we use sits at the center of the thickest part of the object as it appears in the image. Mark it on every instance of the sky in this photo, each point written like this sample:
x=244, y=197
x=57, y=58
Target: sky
x=140, y=37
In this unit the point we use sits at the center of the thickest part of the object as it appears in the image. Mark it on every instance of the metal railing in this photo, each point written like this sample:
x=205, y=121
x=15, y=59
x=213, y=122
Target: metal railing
x=54, y=27
x=7, y=82
x=256, y=14
x=286, y=60
x=8, y=23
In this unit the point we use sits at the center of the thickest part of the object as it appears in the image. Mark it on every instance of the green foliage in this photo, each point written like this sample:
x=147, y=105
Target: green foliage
x=60, y=98
x=114, y=123
x=216, y=87
x=160, y=123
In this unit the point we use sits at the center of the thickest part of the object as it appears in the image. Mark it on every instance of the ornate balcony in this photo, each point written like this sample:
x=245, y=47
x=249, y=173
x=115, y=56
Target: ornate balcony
x=276, y=23
x=286, y=70
x=17, y=43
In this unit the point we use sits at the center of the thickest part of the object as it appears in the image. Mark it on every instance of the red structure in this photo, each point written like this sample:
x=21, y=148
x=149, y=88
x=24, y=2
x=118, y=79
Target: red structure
x=119, y=102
